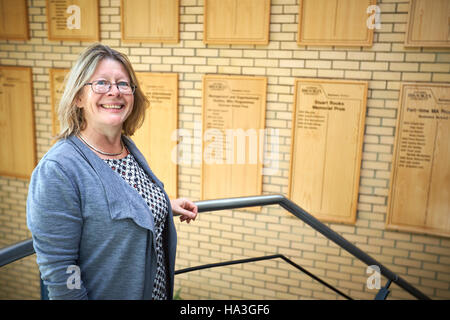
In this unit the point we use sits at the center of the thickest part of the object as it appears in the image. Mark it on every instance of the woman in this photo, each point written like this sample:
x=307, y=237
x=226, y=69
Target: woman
x=101, y=222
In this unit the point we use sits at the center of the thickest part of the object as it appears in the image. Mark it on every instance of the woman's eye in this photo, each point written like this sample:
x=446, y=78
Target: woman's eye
x=122, y=84
x=102, y=82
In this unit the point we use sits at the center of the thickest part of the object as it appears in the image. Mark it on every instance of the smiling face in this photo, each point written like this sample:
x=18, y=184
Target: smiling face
x=106, y=111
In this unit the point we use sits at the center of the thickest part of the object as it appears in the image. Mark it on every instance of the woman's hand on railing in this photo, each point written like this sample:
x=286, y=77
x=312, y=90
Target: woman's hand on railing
x=185, y=208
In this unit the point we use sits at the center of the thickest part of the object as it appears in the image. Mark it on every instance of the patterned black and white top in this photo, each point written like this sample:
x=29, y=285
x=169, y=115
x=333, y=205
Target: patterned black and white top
x=129, y=169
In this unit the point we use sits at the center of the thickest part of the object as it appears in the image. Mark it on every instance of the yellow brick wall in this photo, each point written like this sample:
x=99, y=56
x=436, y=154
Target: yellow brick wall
x=422, y=260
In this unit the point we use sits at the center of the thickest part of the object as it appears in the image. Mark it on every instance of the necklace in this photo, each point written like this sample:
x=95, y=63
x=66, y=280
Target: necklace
x=102, y=152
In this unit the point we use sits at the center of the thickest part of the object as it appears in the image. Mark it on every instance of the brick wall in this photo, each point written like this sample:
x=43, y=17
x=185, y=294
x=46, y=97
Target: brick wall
x=422, y=260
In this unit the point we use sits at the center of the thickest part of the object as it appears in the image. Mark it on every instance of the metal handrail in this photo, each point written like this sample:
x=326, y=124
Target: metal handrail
x=22, y=249
x=255, y=201
x=274, y=256
x=16, y=251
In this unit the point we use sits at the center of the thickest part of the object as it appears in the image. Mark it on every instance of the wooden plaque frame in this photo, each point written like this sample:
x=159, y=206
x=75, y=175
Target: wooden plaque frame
x=154, y=138
x=429, y=17
x=420, y=182
x=57, y=77
x=222, y=24
x=236, y=104
x=14, y=20
x=162, y=23
x=327, y=138
x=328, y=23
x=89, y=27
x=17, y=127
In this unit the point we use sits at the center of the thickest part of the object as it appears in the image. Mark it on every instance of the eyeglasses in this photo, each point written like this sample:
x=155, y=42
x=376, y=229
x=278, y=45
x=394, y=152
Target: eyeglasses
x=103, y=86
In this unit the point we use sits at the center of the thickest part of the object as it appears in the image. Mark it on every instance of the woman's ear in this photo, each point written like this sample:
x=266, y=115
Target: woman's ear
x=78, y=101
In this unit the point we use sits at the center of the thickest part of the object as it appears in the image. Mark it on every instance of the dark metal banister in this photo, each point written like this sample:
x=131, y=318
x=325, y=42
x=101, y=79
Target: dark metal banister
x=25, y=248
x=16, y=251
x=274, y=256
x=234, y=203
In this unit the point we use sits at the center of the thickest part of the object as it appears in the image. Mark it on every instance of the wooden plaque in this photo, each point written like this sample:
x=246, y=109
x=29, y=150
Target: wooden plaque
x=236, y=22
x=57, y=77
x=327, y=133
x=17, y=134
x=73, y=20
x=233, y=128
x=419, y=197
x=154, y=138
x=14, y=20
x=428, y=24
x=150, y=21
x=334, y=22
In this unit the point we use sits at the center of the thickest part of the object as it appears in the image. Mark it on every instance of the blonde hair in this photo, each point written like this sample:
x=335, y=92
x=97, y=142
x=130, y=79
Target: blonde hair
x=70, y=116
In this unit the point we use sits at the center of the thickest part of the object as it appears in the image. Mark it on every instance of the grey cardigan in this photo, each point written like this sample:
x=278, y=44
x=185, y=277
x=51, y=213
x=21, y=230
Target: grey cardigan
x=81, y=213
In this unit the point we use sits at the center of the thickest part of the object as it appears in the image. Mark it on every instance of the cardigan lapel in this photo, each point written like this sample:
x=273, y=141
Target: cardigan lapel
x=143, y=163
x=172, y=234
x=123, y=201
x=141, y=160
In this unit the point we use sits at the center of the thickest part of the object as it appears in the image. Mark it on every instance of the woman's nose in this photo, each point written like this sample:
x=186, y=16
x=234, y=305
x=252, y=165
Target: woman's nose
x=114, y=91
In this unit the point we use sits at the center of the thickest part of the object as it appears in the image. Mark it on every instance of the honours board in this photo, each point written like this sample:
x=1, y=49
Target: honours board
x=236, y=22
x=419, y=197
x=73, y=20
x=14, y=20
x=233, y=127
x=335, y=22
x=17, y=137
x=154, y=138
x=57, y=77
x=428, y=23
x=150, y=20
x=328, y=131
